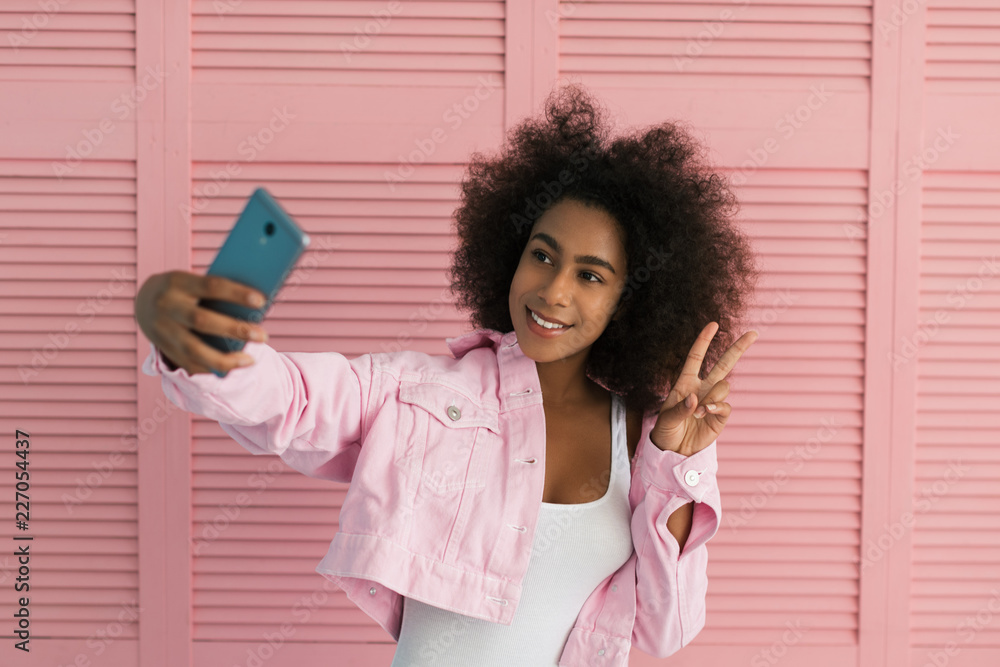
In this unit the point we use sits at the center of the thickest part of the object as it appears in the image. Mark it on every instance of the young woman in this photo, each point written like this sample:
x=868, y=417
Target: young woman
x=544, y=495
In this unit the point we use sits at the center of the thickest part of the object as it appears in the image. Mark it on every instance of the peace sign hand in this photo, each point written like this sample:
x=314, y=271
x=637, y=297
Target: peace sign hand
x=694, y=415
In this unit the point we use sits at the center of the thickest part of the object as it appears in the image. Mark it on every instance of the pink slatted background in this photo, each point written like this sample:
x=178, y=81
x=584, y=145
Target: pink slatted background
x=859, y=473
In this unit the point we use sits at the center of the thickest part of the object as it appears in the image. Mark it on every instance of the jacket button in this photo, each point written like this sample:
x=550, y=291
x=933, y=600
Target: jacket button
x=691, y=477
x=372, y=590
x=454, y=413
x=601, y=652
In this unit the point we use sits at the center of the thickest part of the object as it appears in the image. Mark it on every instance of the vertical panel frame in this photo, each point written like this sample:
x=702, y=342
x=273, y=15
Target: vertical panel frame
x=531, y=58
x=163, y=240
x=906, y=321
x=892, y=312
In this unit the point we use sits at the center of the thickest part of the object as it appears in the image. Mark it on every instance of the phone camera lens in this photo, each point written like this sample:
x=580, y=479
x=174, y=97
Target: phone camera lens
x=269, y=228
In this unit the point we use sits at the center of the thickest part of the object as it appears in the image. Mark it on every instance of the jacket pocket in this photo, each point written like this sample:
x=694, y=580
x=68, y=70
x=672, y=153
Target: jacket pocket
x=447, y=438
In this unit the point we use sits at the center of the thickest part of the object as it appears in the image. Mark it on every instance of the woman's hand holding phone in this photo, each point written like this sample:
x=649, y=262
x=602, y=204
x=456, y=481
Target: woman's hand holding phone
x=167, y=311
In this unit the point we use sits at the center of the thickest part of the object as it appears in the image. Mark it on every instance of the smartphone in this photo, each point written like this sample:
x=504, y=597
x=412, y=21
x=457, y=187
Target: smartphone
x=260, y=251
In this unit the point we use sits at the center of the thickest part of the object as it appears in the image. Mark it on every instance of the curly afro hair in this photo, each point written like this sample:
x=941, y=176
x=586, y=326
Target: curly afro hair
x=688, y=263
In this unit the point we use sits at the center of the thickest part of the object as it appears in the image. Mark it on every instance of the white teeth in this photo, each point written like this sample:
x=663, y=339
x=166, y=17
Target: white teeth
x=544, y=323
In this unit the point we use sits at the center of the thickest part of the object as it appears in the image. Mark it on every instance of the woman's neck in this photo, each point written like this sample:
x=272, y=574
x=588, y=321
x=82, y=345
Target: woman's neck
x=563, y=385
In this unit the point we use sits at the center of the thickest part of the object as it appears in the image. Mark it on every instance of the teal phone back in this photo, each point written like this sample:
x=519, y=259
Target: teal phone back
x=260, y=251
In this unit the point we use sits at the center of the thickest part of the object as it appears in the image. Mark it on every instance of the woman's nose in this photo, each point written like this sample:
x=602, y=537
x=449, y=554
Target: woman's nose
x=556, y=291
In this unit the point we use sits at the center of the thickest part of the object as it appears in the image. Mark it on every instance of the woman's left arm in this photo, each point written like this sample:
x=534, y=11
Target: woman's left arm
x=677, y=508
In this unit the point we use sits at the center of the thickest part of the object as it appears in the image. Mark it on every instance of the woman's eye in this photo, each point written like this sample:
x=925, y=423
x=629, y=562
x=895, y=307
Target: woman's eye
x=536, y=254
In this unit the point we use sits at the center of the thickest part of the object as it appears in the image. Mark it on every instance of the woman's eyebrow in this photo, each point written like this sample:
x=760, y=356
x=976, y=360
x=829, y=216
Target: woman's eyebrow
x=580, y=259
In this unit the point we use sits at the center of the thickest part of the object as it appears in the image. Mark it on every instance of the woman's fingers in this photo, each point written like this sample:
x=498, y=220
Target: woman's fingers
x=168, y=312
x=732, y=355
x=223, y=289
x=199, y=318
x=696, y=355
x=209, y=321
x=719, y=409
x=197, y=356
x=217, y=287
x=715, y=395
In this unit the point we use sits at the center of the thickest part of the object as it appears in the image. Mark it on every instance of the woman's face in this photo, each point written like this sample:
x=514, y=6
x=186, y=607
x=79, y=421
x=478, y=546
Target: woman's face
x=572, y=270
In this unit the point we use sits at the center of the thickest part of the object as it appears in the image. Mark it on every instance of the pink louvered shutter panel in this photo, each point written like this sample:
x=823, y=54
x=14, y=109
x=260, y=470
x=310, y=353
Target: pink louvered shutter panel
x=955, y=346
x=67, y=275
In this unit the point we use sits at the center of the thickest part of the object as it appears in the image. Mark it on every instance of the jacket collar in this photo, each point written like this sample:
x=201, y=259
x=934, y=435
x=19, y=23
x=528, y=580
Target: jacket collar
x=461, y=344
x=518, y=375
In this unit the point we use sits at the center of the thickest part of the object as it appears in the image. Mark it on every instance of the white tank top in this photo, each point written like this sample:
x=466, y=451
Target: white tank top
x=576, y=546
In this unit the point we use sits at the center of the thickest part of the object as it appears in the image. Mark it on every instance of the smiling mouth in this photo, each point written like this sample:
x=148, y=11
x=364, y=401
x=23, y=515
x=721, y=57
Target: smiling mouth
x=545, y=324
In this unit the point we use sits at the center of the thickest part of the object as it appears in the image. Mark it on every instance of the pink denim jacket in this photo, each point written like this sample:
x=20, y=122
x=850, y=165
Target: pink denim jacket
x=446, y=463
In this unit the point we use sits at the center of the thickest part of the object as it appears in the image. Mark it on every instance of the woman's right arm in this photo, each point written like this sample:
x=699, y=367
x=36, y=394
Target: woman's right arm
x=311, y=409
